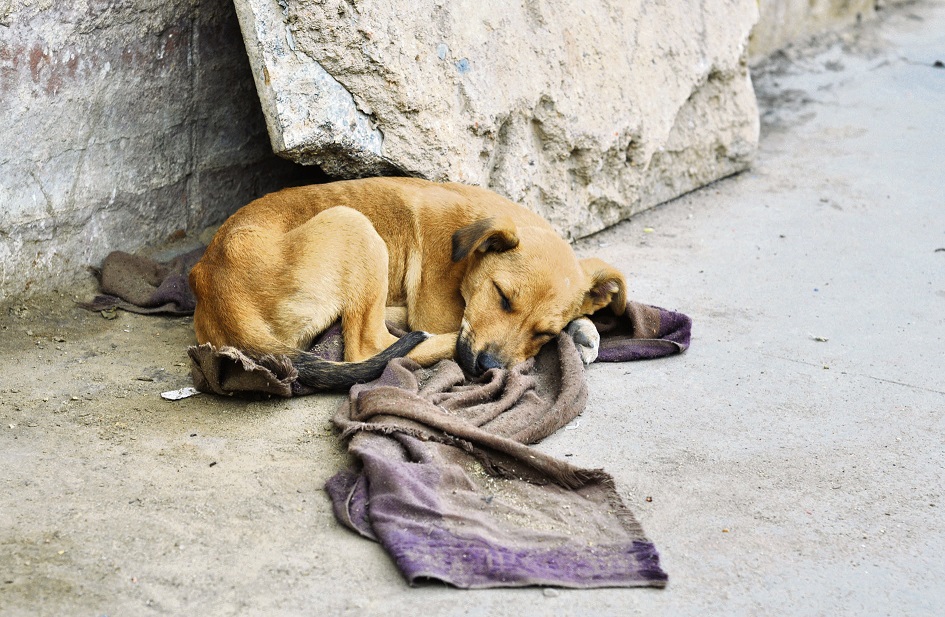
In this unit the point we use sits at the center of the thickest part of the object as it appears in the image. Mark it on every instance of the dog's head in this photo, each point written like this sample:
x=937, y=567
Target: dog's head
x=523, y=285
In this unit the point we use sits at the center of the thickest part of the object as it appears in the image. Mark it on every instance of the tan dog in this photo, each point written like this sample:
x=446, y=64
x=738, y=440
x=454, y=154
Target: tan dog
x=491, y=279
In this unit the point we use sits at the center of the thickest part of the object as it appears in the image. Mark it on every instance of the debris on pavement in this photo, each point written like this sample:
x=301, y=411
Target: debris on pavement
x=176, y=395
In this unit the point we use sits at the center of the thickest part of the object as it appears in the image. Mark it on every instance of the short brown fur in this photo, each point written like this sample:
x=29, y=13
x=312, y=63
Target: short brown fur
x=490, y=278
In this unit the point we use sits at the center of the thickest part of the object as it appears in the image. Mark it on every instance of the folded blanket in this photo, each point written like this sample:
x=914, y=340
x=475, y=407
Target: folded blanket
x=142, y=285
x=445, y=480
x=449, y=488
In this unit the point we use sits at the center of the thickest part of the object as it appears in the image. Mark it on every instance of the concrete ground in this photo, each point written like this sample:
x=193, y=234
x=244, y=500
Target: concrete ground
x=791, y=462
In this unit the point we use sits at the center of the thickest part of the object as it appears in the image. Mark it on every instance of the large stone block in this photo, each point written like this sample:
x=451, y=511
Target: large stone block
x=585, y=111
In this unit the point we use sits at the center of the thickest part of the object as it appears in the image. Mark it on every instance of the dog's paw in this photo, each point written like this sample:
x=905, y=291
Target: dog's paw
x=586, y=338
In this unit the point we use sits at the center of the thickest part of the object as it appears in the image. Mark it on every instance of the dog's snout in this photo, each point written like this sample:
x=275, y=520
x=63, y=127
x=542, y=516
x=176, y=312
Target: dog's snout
x=486, y=361
x=472, y=362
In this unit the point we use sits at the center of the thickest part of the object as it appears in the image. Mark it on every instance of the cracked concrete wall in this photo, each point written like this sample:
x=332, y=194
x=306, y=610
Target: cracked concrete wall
x=123, y=123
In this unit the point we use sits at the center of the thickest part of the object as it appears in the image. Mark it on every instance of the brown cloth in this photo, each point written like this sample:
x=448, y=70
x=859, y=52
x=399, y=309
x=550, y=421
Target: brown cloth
x=142, y=285
x=449, y=487
x=446, y=481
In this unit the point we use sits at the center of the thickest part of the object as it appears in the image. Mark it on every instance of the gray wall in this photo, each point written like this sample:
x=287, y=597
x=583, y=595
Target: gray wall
x=123, y=122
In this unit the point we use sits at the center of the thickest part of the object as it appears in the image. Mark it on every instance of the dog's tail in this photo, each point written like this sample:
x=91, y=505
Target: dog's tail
x=325, y=374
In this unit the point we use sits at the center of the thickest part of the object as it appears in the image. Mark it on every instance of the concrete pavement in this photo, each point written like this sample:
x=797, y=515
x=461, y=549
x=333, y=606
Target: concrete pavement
x=792, y=462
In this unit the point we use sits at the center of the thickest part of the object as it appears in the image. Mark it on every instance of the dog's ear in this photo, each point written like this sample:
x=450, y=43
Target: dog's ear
x=606, y=287
x=496, y=234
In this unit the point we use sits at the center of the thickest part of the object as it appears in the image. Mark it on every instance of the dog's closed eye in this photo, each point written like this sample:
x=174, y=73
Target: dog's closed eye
x=506, y=305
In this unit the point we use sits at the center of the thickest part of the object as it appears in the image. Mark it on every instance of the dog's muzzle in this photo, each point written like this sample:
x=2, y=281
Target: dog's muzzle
x=486, y=361
x=474, y=363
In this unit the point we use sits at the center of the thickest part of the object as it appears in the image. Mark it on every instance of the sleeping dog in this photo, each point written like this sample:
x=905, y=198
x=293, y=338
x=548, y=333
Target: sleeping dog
x=472, y=276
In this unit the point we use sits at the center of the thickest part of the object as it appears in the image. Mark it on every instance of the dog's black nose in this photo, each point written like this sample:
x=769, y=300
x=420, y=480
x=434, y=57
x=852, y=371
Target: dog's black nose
x=486, y=361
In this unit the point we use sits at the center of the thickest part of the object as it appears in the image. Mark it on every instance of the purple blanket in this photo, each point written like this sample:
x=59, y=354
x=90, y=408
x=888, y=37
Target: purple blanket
x=141, y=285
x=445, y=480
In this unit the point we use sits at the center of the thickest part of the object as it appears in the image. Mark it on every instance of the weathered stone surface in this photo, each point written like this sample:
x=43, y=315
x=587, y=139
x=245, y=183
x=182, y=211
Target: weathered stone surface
x=586, y=112
x=122, y=123
x=784, y=22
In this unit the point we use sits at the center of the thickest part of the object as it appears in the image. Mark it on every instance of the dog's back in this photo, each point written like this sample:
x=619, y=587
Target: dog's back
x=255, y=292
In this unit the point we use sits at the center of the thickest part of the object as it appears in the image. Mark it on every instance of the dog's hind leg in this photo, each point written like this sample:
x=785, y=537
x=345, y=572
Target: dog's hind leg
x=397, y=317
x=339, y=266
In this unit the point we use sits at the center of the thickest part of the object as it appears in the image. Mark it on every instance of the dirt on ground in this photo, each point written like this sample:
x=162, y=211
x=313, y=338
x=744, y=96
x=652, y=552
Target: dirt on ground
x=790, y=462
x=112, y=492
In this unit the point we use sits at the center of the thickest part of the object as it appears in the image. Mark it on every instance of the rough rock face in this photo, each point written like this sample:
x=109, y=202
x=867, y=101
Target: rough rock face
x=585, y=112
x=123, y=122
